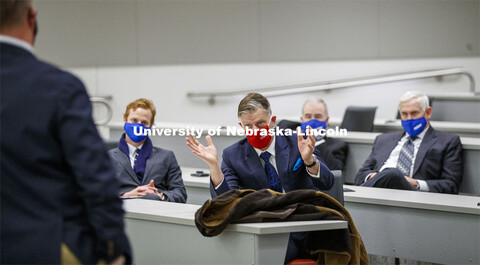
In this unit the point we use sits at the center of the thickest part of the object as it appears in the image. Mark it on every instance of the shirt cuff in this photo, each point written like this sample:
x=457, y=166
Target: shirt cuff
x=366, y=178
x=218, y=186
x=423, y=186
x=315, y=175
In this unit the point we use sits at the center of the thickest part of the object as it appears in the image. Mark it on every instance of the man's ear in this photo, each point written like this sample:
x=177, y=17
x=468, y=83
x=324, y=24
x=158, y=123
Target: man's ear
x=240, y=124
x=31, y=17
x=327, y=120
x=274, y=119
x=428, y=113
x=302, y=119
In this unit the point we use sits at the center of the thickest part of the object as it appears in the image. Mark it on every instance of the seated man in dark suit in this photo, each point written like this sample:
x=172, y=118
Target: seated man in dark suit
x=315, y=114
x=419, y=158
x=334, y=152
x=264, y=161
x=142, y=169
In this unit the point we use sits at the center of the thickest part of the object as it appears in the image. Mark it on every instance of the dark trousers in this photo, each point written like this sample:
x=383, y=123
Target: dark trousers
x=297, y=247
x=390, y=178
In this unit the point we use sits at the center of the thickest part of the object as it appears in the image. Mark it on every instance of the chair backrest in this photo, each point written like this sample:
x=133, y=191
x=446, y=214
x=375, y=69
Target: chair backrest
x=359, y=119
x=336, y=191
x=286, y=124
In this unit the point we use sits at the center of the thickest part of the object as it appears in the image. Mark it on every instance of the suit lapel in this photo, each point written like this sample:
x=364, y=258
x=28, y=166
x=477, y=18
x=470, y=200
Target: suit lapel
x=255, y=166
x=125, y=162
x=429, y=139
x=150, y=162
x=388, y=147
x=281, y=157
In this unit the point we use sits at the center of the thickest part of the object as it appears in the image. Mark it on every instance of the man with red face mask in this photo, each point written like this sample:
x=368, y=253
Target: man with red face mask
x=265, y=161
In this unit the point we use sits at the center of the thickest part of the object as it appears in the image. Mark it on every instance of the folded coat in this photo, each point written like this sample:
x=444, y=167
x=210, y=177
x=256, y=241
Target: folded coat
x=340, y=246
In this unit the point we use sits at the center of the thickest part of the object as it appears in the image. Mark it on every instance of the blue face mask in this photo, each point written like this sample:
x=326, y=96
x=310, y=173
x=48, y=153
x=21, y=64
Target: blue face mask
x=315, y=124
x=138, y=128
x=414, y=126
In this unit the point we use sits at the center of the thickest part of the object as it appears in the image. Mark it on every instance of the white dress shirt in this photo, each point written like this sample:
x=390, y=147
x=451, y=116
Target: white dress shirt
x=392, y=160
x=132, y=154
x=17, y=42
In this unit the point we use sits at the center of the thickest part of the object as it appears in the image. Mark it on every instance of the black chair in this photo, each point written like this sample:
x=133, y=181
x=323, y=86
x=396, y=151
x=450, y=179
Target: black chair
x=286, y=124
x=359, y=119
x=336, y=191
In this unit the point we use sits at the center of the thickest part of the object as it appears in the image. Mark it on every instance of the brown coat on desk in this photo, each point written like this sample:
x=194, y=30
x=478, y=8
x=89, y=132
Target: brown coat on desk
x=341, y=246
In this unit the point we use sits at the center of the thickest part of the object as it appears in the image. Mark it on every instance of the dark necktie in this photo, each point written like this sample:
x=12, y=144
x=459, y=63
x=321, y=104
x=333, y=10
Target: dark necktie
x=272, y=176
x=135, y=154
x=405, y=159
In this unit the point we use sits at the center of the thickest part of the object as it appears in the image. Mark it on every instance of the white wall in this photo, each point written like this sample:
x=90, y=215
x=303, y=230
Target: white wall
x=167, y=86
x=79, y=33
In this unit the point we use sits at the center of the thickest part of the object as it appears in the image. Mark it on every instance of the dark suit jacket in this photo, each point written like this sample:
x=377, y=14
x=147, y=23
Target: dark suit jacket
x=57, y=182
x=332, y=151
x=161, y=167
x=242, y=168
x=438, y=161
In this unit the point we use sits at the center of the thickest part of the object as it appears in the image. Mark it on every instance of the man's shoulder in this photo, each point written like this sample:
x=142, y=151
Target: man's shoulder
x=445, y=137
x=234, y=147
x=161, y=151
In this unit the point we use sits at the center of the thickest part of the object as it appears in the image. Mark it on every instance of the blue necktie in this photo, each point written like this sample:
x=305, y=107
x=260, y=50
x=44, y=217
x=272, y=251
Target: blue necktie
x=405, y=159
x=272, y=176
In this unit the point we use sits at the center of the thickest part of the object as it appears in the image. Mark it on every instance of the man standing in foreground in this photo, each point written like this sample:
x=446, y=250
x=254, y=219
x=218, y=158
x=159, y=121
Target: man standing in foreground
x=59, y=201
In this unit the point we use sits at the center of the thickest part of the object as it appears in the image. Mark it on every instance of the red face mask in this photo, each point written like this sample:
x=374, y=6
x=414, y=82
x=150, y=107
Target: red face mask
x=260, y=140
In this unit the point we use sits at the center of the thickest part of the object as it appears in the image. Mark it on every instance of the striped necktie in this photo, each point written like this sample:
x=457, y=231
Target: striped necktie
x=405, y=159
x=272, y=176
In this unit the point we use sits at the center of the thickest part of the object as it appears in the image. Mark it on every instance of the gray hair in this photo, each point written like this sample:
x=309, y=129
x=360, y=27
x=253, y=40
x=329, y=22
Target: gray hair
x=252, y=102
x=421, y=99
x=313, y=101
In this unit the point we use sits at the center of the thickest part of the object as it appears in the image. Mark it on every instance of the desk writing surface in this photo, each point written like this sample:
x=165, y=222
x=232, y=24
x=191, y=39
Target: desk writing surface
x=369, y=137
x=414, y=199
x=179, y=213
x=189, y=180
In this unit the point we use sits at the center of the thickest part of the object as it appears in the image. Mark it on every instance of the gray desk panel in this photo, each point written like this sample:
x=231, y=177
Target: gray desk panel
x=417, y=234
x=431, y=227
x=165, y=233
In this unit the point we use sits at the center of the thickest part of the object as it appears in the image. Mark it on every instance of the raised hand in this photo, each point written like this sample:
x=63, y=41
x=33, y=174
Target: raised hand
x=207, y=153
x=306, y=146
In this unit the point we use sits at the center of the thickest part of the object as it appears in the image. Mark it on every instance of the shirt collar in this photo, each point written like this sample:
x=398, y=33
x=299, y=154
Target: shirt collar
x=270, y=149
x=17, y=42
x=131, y=148
x=420, y=135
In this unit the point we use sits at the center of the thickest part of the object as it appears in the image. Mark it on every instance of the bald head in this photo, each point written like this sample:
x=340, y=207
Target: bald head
x=18, y=19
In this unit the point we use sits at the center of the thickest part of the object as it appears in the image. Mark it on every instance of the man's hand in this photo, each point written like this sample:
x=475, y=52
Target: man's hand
x=306, y=146
x=142, y=190
x=372, y=175
x=413, y=182
x=207, y=153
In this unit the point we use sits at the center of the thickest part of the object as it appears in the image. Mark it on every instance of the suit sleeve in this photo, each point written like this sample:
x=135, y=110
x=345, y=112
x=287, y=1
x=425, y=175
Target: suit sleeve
x=326, y=179
x=452, y=169
x=176, y=189
x=334, y=159
x=368, y=166
x=86, y=155
x=230, y=178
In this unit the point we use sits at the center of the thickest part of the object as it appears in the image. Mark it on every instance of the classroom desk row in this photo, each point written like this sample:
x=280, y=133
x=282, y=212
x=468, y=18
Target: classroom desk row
x=432, y=227
x=165, y=233
x=359, y=144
